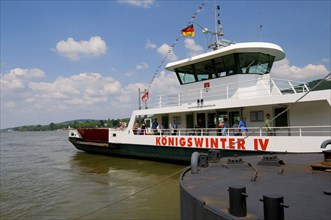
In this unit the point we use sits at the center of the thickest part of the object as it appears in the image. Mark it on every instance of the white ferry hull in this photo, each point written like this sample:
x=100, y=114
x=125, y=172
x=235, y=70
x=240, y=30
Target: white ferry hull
x=180, y=148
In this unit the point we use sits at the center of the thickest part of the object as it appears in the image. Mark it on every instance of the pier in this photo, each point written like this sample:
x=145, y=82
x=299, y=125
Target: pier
x=256, y=187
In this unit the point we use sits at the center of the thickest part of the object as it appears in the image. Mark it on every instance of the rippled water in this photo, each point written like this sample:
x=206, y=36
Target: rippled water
x=44, y=177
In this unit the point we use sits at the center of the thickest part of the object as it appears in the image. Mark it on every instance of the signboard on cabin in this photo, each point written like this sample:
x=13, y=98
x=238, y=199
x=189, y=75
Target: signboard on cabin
x=206, y=86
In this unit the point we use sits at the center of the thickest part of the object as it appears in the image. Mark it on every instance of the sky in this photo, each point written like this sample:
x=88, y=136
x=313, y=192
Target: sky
x=66, y=60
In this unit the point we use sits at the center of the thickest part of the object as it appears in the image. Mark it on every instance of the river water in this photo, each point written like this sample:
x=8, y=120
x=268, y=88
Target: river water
x=43, y=176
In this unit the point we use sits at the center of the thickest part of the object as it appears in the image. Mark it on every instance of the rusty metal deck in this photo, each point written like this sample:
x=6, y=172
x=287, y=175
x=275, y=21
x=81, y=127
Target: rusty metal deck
x=306, y=191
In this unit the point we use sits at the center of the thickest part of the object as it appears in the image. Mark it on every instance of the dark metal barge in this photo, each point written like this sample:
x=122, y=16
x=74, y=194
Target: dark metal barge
x=257, y=187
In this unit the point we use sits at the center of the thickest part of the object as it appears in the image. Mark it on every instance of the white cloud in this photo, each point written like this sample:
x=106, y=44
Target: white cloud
x=90, y=88
x=83, y=95
x=150, y=45
x=139, y=3
x=128, y=74
x=18, y=78
x=142, y=66
x=284, y=70
x=326, y=60
x=74, y=50
x=165, y=83
x=165, y=51
x=193, y=48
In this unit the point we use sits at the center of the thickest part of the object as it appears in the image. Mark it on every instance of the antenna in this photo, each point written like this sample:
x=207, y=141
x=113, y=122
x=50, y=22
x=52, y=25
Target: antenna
x=217, y=22
x=217, y=33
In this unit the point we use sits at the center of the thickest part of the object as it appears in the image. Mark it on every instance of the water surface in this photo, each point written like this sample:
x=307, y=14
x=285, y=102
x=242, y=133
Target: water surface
x=44, y=177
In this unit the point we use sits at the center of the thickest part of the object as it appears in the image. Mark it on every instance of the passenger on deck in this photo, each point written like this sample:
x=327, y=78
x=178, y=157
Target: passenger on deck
x=242, y=126
x=226, y=127
x=236, y=128
x=268, y=125
x=220, y=126
x=121, y=125
x=154, y=125
x=142, y=129
x=135, y=128
x=160, y=128
x=173, y=127
x=199, y=125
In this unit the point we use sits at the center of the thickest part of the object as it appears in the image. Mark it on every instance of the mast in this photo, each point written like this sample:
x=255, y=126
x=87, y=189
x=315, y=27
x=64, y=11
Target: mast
x=216, y=25
x=218, y=31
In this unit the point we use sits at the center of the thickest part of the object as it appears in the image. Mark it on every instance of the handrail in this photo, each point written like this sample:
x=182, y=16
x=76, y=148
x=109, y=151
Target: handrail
x=323, y=130
x=259, y=88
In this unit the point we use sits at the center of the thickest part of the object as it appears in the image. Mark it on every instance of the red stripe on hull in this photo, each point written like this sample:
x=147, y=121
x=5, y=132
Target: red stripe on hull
x=94, y=134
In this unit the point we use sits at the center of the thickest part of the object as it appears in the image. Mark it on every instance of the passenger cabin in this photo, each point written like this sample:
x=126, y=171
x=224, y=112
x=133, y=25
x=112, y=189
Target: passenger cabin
x=231, y=82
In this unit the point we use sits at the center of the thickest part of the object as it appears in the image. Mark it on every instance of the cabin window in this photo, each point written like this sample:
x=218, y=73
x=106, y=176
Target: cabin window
x=186, y=78
x=256, y=116
x=257, y=63
x=186, y=74
x=205, y=70
x=220, y=67
x=238, y=63
x=229, y=64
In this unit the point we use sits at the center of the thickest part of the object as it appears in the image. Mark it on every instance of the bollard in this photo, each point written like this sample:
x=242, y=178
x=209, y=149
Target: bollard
x=203, y=160
x=194, y=162
x=215, y=156
x=237, y=200
x=273, y=207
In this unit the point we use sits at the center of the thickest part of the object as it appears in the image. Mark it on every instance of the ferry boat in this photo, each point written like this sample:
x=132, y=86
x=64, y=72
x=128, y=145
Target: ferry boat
x=232, y=85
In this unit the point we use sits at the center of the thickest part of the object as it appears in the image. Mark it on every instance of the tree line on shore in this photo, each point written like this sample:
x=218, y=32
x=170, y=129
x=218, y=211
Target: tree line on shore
x=87, y=123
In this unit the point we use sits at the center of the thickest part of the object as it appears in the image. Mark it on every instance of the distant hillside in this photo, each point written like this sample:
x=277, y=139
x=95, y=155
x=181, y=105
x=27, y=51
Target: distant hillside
x=78, y=123
x=326, y=84
x=79, y=120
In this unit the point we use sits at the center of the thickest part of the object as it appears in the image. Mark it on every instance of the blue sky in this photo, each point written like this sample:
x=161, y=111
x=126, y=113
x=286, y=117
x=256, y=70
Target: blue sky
x=64, y=60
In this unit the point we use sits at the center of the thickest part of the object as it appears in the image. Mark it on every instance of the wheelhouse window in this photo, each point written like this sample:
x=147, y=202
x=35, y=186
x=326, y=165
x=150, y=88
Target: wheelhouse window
x=257, y=63
x=186, y=78
x=186, y=74
x=238, y=63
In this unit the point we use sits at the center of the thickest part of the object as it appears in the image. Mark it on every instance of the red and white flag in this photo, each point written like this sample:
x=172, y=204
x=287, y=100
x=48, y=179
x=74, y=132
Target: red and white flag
x=145, y=97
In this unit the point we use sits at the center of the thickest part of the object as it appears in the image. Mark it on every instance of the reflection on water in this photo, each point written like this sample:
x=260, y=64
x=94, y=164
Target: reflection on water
x=101, y=164
x=44, y=177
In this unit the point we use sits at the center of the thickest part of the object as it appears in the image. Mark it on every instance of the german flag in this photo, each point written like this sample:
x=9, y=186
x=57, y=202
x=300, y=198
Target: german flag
x=188, y=32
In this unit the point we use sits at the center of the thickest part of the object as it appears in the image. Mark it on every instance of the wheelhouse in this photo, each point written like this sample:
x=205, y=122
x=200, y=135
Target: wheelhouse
x=237, y=63
x=244, y=58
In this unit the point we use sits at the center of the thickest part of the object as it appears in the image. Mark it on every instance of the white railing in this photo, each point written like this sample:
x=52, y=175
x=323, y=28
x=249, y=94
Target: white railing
x=244, y=89
x=290, y=87
x=252, y=131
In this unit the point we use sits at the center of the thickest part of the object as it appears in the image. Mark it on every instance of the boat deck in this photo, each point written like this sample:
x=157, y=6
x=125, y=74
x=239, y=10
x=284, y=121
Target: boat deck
x=305, y=191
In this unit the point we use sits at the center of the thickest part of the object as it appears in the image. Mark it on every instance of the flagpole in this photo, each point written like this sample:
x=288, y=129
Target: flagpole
x=139, y=93
x=216, y=27
x=146, y=100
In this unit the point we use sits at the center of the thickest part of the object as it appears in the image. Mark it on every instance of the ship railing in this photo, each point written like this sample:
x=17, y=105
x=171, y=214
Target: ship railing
x=252, y=131
x=289, y=87
x=241, y=90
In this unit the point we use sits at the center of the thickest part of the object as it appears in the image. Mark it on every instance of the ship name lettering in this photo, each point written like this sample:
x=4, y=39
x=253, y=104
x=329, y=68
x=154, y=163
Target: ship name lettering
x=260, y=143
x=213, y=143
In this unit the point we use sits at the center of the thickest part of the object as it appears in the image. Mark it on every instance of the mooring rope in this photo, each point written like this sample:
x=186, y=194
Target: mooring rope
x=133, y=194
x=290, y=106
